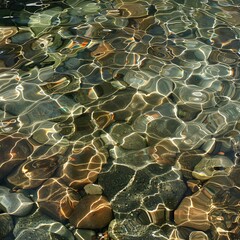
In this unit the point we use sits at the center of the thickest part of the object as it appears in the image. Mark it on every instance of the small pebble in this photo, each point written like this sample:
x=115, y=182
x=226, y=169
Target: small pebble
x=92, y=189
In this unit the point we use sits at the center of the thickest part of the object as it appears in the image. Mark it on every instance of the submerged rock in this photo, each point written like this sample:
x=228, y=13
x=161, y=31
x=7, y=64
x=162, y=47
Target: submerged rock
x=151, y=185
x=6, y=225
x=13, y=203
x=39, y=221
x=32, y=173
x=14, y=150
x=56, y=199
x=193, y=212
x=130, y=229
x=124, y=136
x=211, y=206
x=83, y=166
x=92, y=212
x=134, y=100
x=83, y=234
x=198, y=235
x=40, y=234
x=210, y=166
x=93, y=189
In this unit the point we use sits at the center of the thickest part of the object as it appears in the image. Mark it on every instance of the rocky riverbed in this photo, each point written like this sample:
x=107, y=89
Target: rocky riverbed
x=120, y=120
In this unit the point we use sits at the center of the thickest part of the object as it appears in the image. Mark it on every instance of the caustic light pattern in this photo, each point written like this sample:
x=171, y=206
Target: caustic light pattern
x=120, y=119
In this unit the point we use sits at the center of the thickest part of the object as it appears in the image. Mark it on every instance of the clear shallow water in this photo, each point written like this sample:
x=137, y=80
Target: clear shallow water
x=120, y=119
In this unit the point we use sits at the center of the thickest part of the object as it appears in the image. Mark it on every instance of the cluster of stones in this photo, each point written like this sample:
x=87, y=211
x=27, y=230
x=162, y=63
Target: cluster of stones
x=120, y=112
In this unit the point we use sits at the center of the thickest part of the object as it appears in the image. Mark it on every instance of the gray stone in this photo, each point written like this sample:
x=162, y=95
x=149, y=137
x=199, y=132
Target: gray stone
x=82, y=234
x=40, y=221
x=16, y=204
x=210, y=166
x=39, y=234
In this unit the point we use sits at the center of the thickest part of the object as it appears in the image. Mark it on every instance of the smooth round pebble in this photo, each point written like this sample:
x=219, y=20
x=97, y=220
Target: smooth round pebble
x=210, y=166
x=92, y=212
x=92, y=189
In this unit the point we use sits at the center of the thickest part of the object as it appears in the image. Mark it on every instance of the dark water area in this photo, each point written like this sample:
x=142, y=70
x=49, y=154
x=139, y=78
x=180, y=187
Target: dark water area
x=120, y=120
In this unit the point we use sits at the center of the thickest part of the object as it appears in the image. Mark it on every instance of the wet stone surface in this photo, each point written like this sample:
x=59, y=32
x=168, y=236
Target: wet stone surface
x=39, y=221
x=120, y=120
x=16, y=204
x=6, y=223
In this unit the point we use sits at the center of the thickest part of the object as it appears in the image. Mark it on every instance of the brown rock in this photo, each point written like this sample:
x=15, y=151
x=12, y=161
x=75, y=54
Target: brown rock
x=33, y=173
x=188, y=160
x=129, y=10
x=198, y=235
x=159, y=215
x=103, y=50
x=194, y=185
x=92, y=212
x=102, y=119
x=215, y=205
x=56, y=199
x=164, y=152
x=193, y=212
x=14, y=150
x=83, y=167
x=6, y=33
